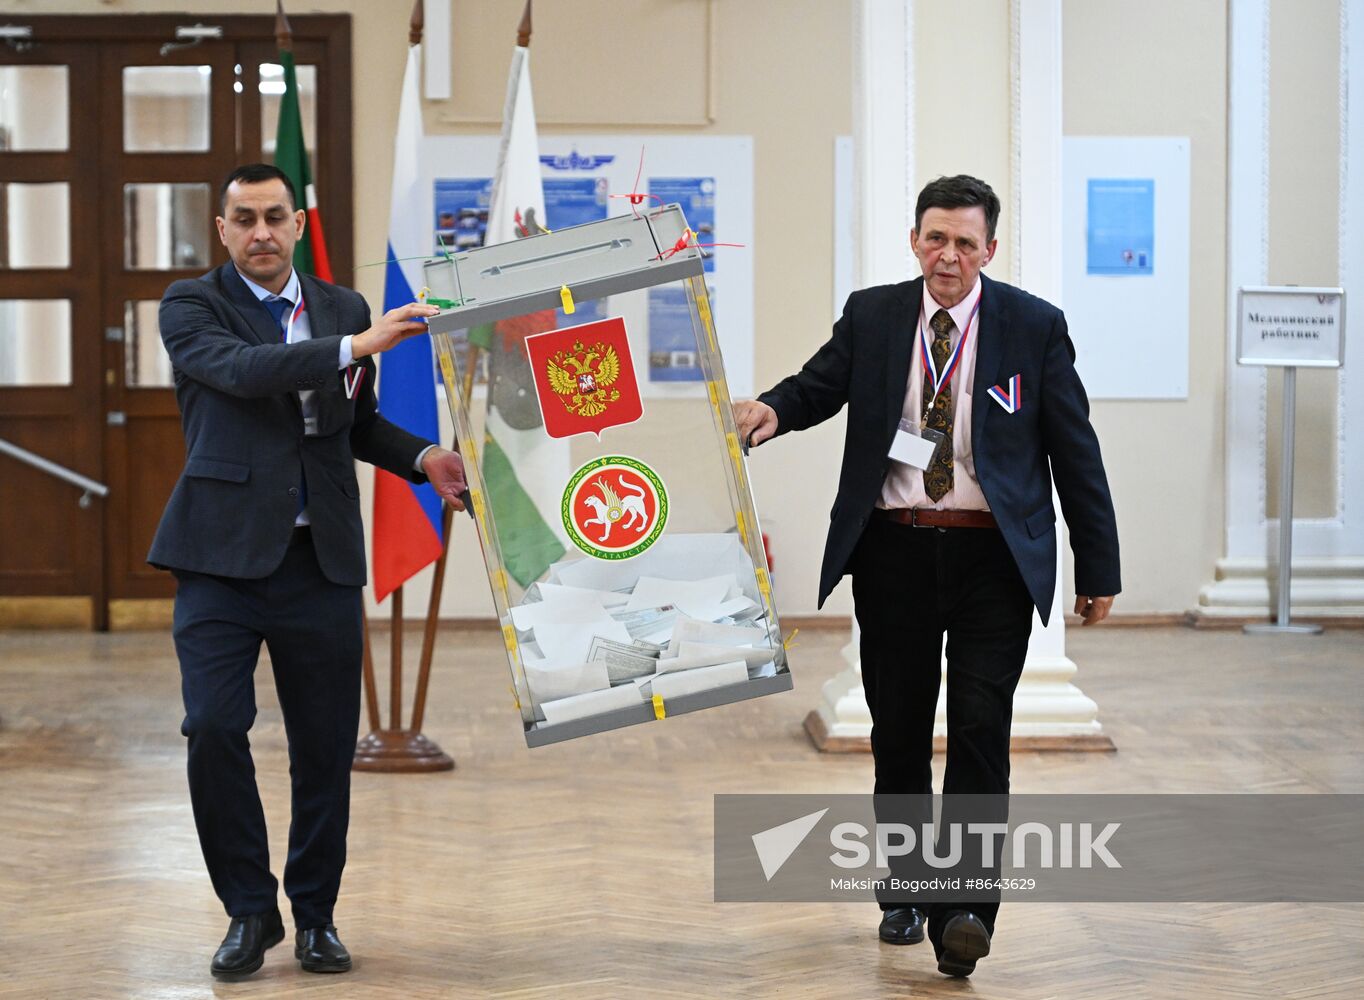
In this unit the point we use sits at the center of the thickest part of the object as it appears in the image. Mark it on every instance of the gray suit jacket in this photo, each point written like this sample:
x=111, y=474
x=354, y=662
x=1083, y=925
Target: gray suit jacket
x=232, y=512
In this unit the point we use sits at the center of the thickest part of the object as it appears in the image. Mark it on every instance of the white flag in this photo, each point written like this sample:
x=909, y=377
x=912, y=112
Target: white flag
x=526, y=470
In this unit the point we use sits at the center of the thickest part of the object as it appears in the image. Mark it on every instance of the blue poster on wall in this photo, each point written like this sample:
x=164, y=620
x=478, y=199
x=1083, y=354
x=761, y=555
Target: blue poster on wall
x=673, y=355
x=672, y=340
x=1120, y=231
x=696, y=195
x=461, y=212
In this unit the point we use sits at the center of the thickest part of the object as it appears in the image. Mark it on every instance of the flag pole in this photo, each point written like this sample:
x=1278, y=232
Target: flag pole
x=284, y=41
x=395, y=660
x=523, y=32
x=284, y=35
x=396, y=749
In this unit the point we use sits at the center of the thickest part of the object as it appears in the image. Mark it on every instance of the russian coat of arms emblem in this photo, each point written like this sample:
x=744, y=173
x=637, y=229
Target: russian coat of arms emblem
x=585, y=378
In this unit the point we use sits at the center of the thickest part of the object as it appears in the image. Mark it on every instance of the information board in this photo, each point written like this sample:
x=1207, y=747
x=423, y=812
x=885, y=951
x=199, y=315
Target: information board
x=1290, y=326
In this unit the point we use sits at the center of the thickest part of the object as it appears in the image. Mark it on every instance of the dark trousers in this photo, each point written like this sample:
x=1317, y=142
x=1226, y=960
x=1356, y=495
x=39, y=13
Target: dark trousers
x=912, y=585
x=312, y=628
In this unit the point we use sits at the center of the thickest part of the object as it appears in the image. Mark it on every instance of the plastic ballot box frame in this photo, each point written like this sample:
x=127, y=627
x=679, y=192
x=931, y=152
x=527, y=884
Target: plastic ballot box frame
x=594, y=271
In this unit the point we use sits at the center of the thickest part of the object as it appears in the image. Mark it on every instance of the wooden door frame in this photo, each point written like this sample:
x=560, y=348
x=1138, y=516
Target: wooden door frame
x=323, y=40
x=333, y=140
x=130, y=584
x=56, y=592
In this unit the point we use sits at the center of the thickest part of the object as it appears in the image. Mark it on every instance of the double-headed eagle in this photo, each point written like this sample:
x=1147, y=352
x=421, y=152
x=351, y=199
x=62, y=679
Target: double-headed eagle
x=586, y=389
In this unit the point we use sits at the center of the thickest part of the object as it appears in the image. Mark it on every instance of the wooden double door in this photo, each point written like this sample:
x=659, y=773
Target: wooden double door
x=115, y=135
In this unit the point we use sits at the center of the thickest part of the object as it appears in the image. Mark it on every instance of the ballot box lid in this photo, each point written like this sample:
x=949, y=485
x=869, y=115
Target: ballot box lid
x=592, y=261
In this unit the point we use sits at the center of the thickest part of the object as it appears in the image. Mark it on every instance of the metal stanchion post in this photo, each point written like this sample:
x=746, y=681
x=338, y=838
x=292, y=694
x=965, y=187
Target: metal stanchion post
x=1282, y=622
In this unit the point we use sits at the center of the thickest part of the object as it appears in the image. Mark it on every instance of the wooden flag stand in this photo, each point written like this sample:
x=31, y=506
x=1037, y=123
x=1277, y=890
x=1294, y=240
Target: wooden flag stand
x=398, y=749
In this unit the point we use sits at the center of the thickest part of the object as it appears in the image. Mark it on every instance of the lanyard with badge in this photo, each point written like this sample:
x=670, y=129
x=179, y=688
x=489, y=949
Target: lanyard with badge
x=914, y=444
x=351, y=378
x=298, y=311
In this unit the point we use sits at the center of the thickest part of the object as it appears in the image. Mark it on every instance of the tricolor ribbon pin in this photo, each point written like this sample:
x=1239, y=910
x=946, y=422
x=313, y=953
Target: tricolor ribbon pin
x=1012, y=397
x=352, y=379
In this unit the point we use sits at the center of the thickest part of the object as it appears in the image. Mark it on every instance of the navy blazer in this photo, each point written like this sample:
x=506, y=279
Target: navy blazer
x=866, y=364
x=232, y=512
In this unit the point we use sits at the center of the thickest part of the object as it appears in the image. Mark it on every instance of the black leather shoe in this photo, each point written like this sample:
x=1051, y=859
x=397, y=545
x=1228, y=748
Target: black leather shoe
x=902, y=926
x=320, y=950
x=243, y=950
x=964, y=941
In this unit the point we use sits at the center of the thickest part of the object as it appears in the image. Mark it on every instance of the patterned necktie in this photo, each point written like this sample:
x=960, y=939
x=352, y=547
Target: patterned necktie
x=938, y=475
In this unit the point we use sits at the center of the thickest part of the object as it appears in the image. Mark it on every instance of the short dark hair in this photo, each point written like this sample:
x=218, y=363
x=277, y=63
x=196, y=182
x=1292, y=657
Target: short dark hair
x=961, y=191
x=256, y=173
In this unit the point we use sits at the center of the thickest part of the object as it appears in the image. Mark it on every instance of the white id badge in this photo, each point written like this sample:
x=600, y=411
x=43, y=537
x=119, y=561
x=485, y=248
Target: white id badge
x=915, y=445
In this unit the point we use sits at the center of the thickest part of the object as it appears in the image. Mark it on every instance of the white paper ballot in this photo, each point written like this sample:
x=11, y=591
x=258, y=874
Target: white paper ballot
x=696, y=598
x=691, y=630
x=768, y=669
x=754, y=656
x=549, y=681
x=681, y=556
x=561, y=611
x=567, y=643
x=738, y=607
x=559, y=592
x=593, y=703
x=673, y=664
x=911, y=449
x=681, y=682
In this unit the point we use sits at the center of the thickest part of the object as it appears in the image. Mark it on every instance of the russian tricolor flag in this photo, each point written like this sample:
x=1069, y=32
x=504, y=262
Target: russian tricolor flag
x=407, y=518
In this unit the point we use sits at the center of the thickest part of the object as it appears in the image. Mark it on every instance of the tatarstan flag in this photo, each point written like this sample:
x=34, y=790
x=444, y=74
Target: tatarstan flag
x=291, y=156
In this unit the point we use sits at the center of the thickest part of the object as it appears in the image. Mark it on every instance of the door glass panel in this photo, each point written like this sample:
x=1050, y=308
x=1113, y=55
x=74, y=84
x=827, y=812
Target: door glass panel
x=33, y=111
x=37, y=230
x=148, y=367
x=165, y=226
x=35, y=342
x=271, y=91
x=166, y=109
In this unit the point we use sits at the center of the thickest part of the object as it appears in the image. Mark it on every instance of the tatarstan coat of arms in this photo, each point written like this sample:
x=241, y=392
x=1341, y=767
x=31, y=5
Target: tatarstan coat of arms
x=585, y=378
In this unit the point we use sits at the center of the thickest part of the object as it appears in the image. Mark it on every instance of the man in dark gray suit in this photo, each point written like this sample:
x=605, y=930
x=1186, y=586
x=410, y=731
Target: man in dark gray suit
x=963, y=407
x=274, y=375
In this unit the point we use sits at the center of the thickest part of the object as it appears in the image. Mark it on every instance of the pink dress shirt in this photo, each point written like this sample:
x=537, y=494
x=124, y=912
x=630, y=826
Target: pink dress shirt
x=904, y=484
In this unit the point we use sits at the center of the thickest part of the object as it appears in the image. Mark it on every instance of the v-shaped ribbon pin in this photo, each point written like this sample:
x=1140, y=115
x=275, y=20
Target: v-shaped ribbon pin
x=1012, y=399
x=351, y=380
x=936, y=378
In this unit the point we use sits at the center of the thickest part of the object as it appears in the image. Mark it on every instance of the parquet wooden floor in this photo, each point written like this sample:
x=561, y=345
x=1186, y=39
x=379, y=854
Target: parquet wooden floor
x=584, y=870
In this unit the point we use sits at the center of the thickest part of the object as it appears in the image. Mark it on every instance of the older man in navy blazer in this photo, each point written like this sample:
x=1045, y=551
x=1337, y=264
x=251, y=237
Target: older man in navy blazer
x=274, y=375
x=963, y=406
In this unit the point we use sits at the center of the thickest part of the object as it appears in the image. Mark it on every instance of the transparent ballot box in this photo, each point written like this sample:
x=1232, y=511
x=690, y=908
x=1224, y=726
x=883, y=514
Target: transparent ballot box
x=606, y=478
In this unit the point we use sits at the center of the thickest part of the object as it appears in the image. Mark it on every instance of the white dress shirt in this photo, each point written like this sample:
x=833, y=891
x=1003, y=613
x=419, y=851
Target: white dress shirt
x=904, y=484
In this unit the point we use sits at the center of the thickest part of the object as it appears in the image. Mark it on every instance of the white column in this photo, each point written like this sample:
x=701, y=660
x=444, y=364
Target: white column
x=1328, y=552
x=1049, y=710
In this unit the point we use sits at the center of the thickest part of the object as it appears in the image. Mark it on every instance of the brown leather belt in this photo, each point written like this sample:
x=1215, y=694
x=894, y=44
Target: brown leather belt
x=917, y=517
